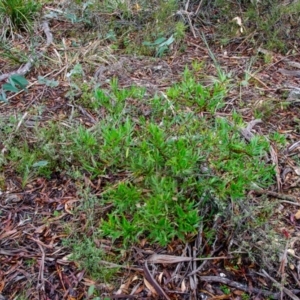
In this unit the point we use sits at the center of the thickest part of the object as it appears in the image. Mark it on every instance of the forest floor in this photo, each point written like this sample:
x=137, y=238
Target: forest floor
x=35, y=264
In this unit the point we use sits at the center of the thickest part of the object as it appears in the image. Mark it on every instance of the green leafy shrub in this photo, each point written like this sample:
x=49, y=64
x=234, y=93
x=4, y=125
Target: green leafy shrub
x=161, y=172
x=272, y=24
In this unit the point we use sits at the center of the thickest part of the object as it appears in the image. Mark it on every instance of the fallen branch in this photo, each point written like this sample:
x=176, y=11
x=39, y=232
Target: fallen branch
x=281, y=287
x=49, y=36
x=184, y=13
x=274, y=158
x=257, y=79
x=246, y=132
x=23, y=70
x=34, y=57
x=41, y=279
x=153, y=282
x=172, y=259
x=276, y=195
x=243, y=287
x=293, y=73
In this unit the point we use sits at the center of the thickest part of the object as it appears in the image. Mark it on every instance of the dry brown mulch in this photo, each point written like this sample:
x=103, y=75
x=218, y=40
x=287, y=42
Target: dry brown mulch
x=33, y=260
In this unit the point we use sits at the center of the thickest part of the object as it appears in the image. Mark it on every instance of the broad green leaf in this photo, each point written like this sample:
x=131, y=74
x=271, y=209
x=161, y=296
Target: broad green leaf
x=11, y=82
x=41, y=163
x=20, y=80
x=148, y=44
x=47, y=82
x=91, y=290
x=160, y=50
x=168, y=42
x=159, y=41
x=10, y=88
x=156, y=42
x=3, y=97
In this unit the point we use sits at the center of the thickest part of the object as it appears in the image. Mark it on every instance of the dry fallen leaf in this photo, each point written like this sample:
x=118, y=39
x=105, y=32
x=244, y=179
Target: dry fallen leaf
x=297, y=215
x=292, y=267
x=150, y=287
x=160, y=277
x=2, y=285
x=291, y=251
x=297, y=170
x=121, y=289
x=183, y=286
x=238, y=292
x=238, y=21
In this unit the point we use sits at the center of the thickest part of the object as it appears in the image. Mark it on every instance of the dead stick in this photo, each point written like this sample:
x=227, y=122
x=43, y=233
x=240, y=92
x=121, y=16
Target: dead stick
x=280, y=286
x=41, y=280
x=240, y=286
x=34, y=57
x=153, y=282
x=276, y=195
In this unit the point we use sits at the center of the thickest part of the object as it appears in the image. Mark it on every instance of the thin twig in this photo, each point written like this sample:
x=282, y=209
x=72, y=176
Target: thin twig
x=173, y=259
x=289, y=202
x=274, y=158
x=281, y=270
x=183, y=13
x=49, y=36
x=240, y=286
x=153, y=282
x=246, y=132
x=276, y=195
x=198, y=8
x=257, y=79
x=280, y=286
x=21, y=121
x=194, y=267
x=41, y=243
x=113, y=265
x=187, y=5
x=41, y=280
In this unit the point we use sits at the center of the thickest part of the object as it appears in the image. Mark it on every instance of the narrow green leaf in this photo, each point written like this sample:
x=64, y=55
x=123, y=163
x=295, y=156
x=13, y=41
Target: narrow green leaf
x=3, y=97
x=91, y=290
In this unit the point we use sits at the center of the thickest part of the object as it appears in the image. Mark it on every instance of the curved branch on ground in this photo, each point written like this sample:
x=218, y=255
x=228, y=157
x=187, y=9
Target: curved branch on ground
x=245, y=288
x=34, y=57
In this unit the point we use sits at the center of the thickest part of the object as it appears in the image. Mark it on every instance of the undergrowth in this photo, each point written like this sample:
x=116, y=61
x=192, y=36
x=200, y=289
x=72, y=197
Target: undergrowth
x=142, y=27
x=158, y=27
x=163, y=173
x=161, y=170
x=269, y=24
x=18, y=14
